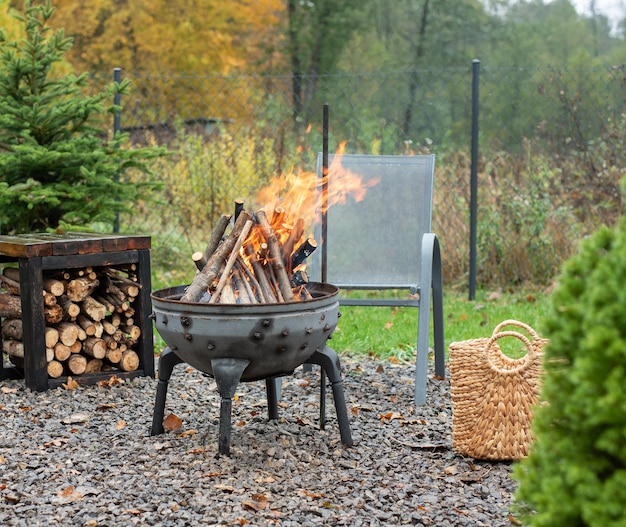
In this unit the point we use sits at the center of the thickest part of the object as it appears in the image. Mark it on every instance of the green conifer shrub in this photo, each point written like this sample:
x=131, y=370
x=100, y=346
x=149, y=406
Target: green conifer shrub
x=575, y=474
x=56, y=165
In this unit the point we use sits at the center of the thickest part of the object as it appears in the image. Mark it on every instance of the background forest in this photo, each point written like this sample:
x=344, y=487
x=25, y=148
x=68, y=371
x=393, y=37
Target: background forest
x=235, y=90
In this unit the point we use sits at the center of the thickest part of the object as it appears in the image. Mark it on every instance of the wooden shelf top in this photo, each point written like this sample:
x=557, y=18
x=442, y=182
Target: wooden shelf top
x=49, y=244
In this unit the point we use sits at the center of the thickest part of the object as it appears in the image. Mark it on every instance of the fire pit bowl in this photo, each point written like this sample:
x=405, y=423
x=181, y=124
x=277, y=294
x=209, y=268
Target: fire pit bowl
x=248, y=342
x=275, y=338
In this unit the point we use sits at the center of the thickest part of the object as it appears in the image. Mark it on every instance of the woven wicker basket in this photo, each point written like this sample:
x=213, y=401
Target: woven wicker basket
x=493, y=395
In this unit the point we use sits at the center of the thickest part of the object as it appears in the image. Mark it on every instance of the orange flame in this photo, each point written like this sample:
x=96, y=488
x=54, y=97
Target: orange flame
x=299, y=194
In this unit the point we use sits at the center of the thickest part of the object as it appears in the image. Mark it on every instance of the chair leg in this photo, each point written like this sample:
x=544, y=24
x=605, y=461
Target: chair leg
x=438, y=319
x=328, y=360
x=167, y=362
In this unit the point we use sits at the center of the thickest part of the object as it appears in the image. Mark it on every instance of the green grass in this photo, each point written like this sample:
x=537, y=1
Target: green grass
x=391, y=333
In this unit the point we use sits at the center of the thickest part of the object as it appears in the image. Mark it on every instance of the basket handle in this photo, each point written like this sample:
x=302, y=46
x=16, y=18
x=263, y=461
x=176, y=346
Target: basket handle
x=523, y=363
x=511, y=322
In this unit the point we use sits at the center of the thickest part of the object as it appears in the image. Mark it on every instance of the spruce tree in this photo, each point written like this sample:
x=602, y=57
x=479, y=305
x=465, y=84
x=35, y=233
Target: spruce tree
x=56, y=164
x=575, y=474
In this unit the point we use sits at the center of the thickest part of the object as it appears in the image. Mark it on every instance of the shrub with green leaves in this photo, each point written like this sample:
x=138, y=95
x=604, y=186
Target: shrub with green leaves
x=575, y=474
x=56, y=165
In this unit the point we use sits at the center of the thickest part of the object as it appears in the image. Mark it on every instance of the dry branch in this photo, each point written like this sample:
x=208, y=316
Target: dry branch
x=211, y=270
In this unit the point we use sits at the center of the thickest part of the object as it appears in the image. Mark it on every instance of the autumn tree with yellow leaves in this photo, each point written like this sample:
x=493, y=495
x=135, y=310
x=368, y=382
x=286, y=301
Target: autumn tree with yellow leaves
x=156, y=36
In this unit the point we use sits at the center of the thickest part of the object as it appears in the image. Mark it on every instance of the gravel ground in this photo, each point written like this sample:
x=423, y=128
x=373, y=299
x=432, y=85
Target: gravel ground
x=84, y=457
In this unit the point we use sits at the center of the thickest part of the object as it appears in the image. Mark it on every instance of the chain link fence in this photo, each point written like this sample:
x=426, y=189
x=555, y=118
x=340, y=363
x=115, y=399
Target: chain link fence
x=551, y=150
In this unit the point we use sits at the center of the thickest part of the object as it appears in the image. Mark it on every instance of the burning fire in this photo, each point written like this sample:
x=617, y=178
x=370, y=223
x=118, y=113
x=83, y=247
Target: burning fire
x=267, y=261
x=298, y=193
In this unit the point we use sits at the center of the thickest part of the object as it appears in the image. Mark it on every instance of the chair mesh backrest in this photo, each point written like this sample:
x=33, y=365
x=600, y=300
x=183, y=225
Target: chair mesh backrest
x=376, y=242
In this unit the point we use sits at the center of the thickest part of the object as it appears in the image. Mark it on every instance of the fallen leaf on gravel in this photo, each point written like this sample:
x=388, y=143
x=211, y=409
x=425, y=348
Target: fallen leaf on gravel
x=71, y=384
x=172, y=423
x=9, y=390
x=68, y=495
x=111, y=381
x=309, y=494
x=120, y=425
x=257, y=503
x=187, y=433
x=389, y=416
x=3, y=460
x=25, y=408
x=75, y=419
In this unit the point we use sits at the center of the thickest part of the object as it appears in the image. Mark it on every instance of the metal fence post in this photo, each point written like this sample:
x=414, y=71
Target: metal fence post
x=117, y=78
x=474, y=179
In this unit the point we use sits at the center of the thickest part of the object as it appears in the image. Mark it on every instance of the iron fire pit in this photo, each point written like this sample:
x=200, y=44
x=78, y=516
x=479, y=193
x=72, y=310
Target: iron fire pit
x=248, y=342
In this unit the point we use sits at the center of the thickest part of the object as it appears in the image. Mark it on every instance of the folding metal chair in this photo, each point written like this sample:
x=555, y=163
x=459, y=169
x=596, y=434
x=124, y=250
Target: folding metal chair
x=384, y=242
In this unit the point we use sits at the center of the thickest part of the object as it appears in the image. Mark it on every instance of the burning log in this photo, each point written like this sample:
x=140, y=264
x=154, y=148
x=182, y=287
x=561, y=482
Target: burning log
x=201, y=258
x=303, y=252
x=294, y=236
x=265, y=288
x=231, y=260
x=258, y=262
x=211, y=270
x=276, y=253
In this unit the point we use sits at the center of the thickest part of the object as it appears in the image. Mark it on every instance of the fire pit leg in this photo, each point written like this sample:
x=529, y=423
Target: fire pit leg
x=167, y=362
x=328, y=360
x=272, y=388
x=227, y=373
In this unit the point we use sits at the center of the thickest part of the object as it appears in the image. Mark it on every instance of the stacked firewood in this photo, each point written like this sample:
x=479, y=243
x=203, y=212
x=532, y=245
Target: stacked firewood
x=89, y=317
x=261, y=260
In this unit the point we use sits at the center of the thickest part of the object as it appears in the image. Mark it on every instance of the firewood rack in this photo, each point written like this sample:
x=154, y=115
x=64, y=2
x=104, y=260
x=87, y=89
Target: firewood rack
x=40, y=252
